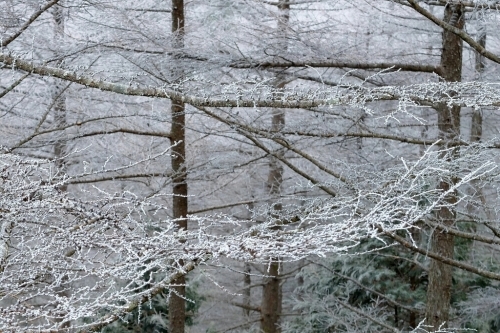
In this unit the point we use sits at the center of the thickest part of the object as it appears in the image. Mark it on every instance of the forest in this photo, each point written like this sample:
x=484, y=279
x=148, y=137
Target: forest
x=272, y=166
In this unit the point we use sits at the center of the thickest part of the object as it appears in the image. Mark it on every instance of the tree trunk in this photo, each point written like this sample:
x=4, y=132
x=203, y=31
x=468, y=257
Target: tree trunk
x=271, y=301
x=59, y=108
x=440, y=274
x=481, y=39
x=271, y=293
x=177, y=308
x=247, y=278
x=477, y=115
x=59, y=101
x=247, y=292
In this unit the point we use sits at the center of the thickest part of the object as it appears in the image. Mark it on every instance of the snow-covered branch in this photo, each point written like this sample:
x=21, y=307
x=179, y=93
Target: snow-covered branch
x=101, y=248
x=470, y=94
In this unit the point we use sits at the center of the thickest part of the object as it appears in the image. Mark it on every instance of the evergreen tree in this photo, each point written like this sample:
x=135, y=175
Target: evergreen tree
x=152, y=316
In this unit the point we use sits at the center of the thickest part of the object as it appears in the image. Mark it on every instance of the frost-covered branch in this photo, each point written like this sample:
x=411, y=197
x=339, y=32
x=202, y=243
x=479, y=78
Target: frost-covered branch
x=33, y=17
x=100, y=248
x=469, y=94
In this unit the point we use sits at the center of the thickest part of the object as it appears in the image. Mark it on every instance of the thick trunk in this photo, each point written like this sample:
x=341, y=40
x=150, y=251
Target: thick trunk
x=177, y=308
x=440, y=275
x=271, y=301
x=271, y=293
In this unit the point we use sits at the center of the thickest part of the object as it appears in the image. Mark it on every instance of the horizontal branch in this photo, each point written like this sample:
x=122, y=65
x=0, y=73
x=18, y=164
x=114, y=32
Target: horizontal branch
x=246, y=306
x=132, y=49
x=288, y=163
x=362, y=135
x=115, y=177
x=290, y=3
x=463, y=234
x=467, y=4
x=123, y=130
x=372, y=135
x=130, y=90
x=337, y=64
x=445, y=260
x=424, y=94
x=203, y=210
x=152, y=10
x=21, y=143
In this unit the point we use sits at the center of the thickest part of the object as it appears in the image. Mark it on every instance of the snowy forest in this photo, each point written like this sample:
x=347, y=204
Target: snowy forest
x=273, y=166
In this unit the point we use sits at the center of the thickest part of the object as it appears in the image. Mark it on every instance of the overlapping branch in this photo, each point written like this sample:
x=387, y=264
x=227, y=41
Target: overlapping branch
x=115, y=238
x=33, y=17
x=470, y=94
x=459, y=32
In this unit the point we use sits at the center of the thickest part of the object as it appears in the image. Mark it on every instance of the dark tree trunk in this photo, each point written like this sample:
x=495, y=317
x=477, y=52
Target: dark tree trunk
x=271, y=301
x=247, y=292
x=271, y=294
x=477, y=116
x=440, y=275
x=247, y=278
x=177, y=308
x=481, y=39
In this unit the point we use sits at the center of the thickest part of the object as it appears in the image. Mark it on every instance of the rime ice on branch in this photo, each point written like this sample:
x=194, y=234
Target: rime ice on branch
x=99, y=249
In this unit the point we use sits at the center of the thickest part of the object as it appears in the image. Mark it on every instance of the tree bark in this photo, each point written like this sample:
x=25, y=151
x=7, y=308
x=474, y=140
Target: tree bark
x=59, y=103
x=440, y=275
x=59, y=108
x=247, y=292
x=271, y=293
x=477, y=116
x=177, y=307
x=247, y=278
x=481, y=40
x=271, y=301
